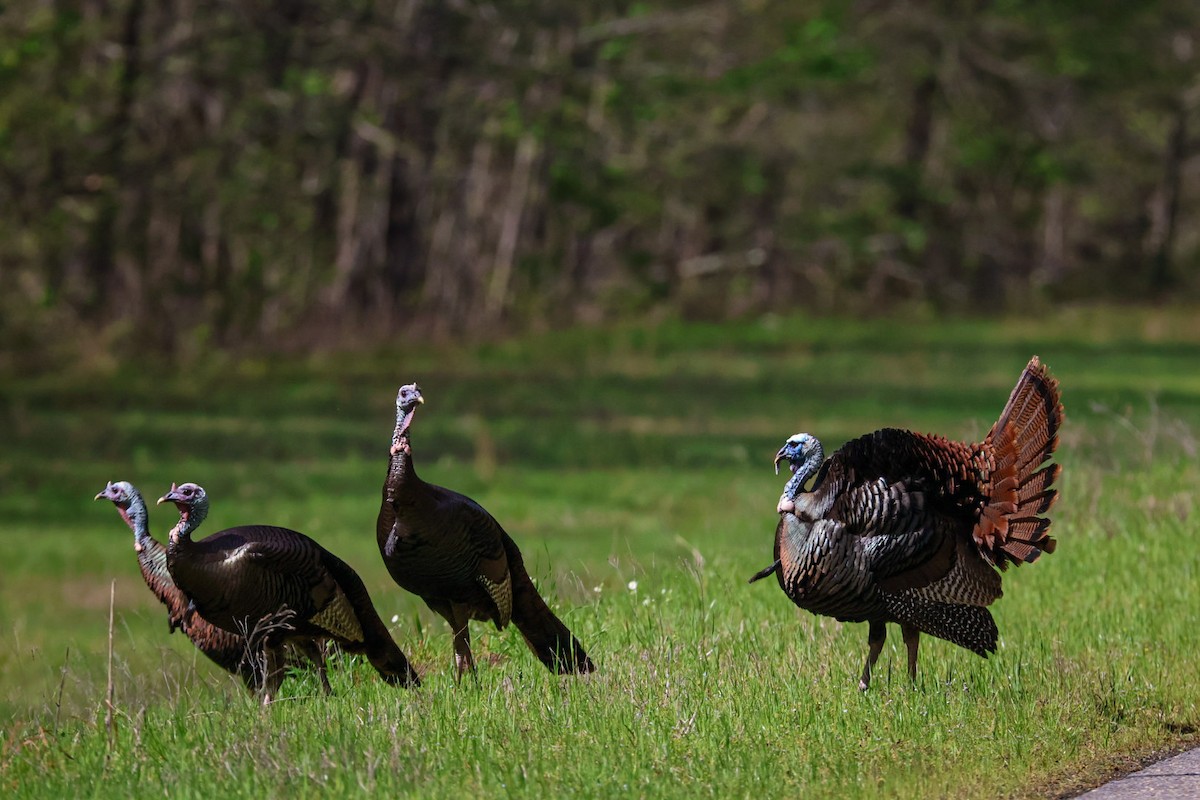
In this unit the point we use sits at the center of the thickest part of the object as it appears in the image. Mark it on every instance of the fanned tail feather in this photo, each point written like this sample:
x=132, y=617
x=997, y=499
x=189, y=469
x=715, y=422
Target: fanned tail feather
x=1034, y=496
x=1022, y=440
x=1032, y=416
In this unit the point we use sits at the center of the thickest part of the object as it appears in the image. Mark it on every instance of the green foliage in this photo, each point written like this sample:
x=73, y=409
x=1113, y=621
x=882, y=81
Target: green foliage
x=632, y=464
x=820, y=48
x=317, y=171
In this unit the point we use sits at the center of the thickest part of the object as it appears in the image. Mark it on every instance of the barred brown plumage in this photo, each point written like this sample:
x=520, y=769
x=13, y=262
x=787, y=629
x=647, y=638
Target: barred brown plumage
x=910, y=528
x=279, y=585
x=449, y=551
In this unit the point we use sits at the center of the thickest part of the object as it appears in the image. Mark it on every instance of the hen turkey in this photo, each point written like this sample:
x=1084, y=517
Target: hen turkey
x=278, y=585
x=230, y=651
x=446, y=549
x=911, y=528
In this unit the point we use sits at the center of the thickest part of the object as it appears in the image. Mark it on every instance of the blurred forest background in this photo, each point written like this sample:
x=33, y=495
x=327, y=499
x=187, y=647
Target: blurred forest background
x=184, y=174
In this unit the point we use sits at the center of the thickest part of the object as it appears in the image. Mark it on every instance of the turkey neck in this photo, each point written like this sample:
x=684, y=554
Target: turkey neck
x=398, y=490
x=181, y=534
x=402, y=475
x=795, y=485
x=152, y=556
x=138, y=521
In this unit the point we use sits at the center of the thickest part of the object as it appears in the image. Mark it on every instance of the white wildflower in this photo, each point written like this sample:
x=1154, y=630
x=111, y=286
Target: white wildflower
x=633, y=586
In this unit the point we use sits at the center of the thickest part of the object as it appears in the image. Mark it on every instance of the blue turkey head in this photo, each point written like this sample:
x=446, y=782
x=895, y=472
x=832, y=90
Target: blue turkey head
x=407, y=400
x=798, y=449
x=119, y=492
x=190, y=499
x=128, y=501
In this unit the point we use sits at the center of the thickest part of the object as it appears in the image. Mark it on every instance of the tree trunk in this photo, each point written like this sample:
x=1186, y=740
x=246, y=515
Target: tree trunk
x=1166, y=213
x=514, y=209
x=101, y=258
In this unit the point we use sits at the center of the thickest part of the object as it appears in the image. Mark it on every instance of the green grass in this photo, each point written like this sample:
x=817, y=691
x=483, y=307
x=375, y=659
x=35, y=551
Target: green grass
x=635, y=454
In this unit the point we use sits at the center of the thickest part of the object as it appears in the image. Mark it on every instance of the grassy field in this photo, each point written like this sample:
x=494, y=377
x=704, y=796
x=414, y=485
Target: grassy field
x=633, y=466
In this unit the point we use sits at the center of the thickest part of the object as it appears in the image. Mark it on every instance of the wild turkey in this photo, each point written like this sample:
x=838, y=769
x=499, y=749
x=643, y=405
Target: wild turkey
x=446, y=549
x=231, y=651
x=910, y=528
x=262, y=577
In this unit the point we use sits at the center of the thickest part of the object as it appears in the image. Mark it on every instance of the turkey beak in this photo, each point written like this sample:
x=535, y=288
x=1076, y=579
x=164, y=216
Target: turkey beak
x=104, y=494
x=169, y=496
x=780, y=456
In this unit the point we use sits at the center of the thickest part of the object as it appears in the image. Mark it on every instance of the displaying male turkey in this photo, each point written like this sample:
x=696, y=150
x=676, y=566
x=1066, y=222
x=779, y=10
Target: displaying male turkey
x=259, y=576
x=231, y=651
x=445, y=548
x=910, y=528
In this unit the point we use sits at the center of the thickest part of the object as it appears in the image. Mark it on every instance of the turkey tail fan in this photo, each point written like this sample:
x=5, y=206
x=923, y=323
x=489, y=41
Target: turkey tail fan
x=1031, y=419
x=1022, y=440
x=1027, y=539
x=549, y=639
x=1034, y=496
